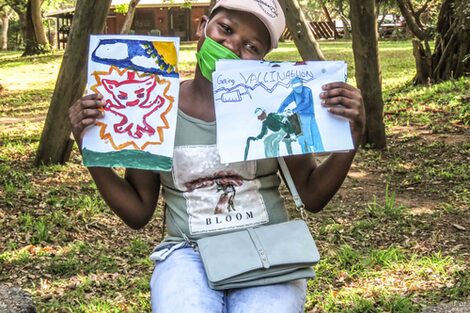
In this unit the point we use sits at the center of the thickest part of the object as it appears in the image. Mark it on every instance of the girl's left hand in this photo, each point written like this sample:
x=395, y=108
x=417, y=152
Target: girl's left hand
x=345, y=100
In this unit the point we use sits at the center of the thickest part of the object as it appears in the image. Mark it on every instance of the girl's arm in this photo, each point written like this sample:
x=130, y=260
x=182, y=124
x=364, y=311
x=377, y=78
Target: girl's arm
x=317, y=185
x=134, y=197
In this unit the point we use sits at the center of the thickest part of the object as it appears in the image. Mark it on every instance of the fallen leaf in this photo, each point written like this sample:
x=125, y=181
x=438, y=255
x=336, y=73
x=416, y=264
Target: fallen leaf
x=459, y=227
x=456, y=248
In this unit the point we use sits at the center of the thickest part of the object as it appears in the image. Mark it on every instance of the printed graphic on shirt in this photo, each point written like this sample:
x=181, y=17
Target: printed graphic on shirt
x=218, y=196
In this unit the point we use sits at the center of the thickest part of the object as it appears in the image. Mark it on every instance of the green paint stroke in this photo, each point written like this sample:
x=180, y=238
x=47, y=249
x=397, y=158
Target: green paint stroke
x=128, y=159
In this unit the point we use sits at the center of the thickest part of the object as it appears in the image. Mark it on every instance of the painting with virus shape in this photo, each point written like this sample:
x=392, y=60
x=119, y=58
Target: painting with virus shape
x=139, y=81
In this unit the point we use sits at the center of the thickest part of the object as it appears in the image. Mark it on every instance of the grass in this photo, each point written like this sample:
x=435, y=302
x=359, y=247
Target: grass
x=390, y=239
x=389, y=209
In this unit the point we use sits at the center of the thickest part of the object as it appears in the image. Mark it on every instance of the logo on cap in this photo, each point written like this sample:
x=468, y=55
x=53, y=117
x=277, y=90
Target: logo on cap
x=269, y=7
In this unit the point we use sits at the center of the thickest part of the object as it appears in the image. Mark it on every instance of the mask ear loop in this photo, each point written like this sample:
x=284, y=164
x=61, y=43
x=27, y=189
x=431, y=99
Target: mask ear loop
x=205, y=28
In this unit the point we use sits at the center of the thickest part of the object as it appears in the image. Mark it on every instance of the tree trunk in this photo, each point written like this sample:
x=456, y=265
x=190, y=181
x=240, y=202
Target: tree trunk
x=340, y=11
x=52, y=34
x=29, y=36
x=368, y=72
x=36, y=18
x=129, y=17
x=304, y=39
x=450, y=57
x=20, y=7
x=32, y=46
x=452, y=50
x=90, y=17
x=22, y=19
x=347, y=34
x=4, y=22
x=423, y=61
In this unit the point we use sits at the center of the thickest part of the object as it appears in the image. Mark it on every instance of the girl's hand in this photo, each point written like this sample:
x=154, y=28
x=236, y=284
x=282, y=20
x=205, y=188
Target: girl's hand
x=345, y=100
x=84, y=113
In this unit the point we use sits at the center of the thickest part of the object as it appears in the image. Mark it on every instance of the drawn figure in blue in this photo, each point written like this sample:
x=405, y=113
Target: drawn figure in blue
x=281, y=130
x=310, y=141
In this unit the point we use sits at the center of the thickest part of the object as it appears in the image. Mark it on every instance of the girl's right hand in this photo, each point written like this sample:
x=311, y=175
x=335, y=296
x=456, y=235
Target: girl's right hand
x=84, y=113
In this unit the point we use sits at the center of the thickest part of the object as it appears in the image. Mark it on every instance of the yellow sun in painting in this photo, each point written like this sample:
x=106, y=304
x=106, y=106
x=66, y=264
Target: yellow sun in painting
x=167, y=50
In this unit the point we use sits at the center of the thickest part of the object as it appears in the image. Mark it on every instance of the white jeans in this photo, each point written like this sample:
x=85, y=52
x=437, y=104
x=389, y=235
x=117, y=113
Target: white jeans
x=179, y=284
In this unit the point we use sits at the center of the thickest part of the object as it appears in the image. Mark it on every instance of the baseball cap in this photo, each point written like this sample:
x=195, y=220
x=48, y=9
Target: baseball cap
x=268, y=11
x=296, y=82
x=258, y=111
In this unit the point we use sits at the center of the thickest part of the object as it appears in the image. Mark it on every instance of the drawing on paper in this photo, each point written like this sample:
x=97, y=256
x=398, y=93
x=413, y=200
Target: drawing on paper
x=148, y=56
x=138, y=79
x=310, y=139
x=132, y=100
x=282, y=127
x=280, y=108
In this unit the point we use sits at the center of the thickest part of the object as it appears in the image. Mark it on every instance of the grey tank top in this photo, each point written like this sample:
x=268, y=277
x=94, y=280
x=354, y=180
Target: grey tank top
x=206, y=197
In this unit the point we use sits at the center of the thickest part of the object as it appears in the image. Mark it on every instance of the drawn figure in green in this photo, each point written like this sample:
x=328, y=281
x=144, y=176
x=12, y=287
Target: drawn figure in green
x=280, y=128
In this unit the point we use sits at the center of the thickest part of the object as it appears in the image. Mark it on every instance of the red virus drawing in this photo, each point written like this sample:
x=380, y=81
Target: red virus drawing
x=134, y=101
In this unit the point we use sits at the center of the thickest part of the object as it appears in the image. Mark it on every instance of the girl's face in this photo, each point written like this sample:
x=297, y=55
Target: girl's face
x=241, y=32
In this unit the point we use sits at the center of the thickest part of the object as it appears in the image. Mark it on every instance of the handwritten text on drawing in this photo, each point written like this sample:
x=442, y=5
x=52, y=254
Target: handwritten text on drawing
x=276, y=76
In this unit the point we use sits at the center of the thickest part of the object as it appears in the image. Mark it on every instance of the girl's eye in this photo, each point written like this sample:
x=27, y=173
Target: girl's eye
x=122, y=97
x=140, y=95
x=226, y=28
x=252, y=48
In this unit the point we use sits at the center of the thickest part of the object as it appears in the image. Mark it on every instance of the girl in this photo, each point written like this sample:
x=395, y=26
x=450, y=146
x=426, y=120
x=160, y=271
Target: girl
x=202, y=195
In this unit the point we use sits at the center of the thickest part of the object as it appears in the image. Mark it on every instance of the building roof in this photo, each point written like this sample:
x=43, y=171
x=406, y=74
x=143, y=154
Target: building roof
x=159, y=3
x=142, y=4
x=59, y=12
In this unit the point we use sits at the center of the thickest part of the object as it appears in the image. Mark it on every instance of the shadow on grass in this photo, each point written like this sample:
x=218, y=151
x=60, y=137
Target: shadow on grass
x=393, y=279
x=25, y=103
x=9, y=62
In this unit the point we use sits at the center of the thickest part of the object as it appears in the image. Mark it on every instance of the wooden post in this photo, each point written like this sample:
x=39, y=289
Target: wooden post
x=89, y=18
x=58, y=32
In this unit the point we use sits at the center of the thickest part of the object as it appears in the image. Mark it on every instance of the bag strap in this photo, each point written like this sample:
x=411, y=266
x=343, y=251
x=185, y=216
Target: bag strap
x=299, y=205
x=190, y=242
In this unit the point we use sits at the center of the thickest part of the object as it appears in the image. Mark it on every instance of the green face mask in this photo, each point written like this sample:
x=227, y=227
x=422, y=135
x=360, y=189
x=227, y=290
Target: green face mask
x=211, y=51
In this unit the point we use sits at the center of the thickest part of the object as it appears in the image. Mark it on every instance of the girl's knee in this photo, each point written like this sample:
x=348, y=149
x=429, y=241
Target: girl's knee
x=280, y=298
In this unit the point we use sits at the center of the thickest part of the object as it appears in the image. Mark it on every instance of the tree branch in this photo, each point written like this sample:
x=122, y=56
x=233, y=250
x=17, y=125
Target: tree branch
x=415, y=27
x=445, y=54
x=423, y=8
x=409, y=4
x=304, y=39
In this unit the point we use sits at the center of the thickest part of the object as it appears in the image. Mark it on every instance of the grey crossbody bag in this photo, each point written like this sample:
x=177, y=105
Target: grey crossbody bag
x=260, y=255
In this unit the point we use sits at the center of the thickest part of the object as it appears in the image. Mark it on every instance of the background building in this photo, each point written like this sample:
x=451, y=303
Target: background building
x=152, y=17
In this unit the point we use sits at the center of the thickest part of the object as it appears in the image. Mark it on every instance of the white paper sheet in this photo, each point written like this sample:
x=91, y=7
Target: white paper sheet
x=139, y=80
x=246, y=92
